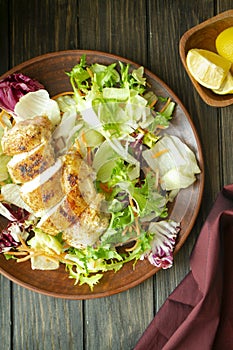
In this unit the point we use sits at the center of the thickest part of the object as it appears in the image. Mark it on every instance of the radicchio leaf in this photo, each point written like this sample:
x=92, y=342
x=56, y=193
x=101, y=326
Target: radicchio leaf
x=9, y=235
x=13, y=87
x=162, y=245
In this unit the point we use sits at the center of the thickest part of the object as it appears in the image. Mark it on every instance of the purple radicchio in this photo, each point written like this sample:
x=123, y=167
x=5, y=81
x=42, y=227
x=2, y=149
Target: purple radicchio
x=9, y=235
x=163, y=243
x=13, y=87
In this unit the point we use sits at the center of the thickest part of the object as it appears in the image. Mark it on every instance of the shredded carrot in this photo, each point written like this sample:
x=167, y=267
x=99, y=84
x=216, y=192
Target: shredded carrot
x=137, y=226
x=24, y=245
x=16, y=253
x=89, y=72
x=89, y=160
x=27, y=257
x=159, y=153
x=152, y=103
x=105, y=188
x=62, y=94
x=125, y=230
x=77, y=144
x=165, y=106
x=83, y=138
x=29, y=252
x=160, y=127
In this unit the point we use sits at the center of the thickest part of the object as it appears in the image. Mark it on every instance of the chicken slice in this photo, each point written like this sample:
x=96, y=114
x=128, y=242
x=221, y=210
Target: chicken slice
x=78, y=231
x=89, y=226
x=78, y=181
x=26, y=166
x=26, y=135
x=45, y=190
x=57, y=218
x=79, y=214
x=70, y=182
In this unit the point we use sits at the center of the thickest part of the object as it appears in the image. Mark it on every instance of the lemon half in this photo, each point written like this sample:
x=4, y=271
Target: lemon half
x=224, y=44
x=207, y=67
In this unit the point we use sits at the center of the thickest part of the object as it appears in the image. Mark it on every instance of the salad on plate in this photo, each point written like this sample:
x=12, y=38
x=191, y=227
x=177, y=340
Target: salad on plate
x=87, y=177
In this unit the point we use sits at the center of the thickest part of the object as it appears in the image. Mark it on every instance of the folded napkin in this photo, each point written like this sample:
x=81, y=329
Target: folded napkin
x=198, y=315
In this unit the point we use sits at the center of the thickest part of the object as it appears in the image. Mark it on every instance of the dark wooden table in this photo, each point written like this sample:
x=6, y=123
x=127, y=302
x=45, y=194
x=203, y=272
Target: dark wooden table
x=147, y=32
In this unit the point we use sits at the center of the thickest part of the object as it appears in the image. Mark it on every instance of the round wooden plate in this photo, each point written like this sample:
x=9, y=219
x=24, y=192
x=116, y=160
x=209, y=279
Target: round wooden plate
x=49, y=69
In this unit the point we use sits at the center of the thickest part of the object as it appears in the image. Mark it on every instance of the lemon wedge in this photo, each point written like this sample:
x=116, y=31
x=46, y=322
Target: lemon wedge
x=207, y=67
x=224, y=44
x=226, y=87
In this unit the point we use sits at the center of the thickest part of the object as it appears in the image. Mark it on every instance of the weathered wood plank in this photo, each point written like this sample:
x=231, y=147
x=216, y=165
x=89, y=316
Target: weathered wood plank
x=43, y=26
x=5, y=317
x=118, y=321
x=4, y=36
x=109, y=26
x=41, y=322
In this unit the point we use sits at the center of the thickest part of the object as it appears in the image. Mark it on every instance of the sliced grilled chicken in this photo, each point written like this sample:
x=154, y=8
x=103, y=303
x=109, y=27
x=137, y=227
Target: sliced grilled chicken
x=26, y=166
x=78, y=231
x=45, y=190
x=62, y=192
x=57, y=218
x=73, y=170
x=80, y=221
x=89, y=226
x=26, y=135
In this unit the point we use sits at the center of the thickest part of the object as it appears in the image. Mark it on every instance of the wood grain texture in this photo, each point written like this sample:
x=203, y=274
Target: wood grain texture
x=148, y=32
x=42, y=26
x=123, y=316
x=111, y=27
x=5, y=316
x=42, y=322
x=4, y=36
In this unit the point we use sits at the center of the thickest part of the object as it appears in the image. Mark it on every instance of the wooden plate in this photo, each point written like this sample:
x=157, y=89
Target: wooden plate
x=50, y=70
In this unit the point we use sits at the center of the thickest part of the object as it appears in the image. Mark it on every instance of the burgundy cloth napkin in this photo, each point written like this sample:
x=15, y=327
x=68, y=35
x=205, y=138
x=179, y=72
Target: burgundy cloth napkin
x=198, y=315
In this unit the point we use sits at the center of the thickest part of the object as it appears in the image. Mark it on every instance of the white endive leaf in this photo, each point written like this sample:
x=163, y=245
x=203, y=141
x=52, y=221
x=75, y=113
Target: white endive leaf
x=37, y=103
x=176, y=163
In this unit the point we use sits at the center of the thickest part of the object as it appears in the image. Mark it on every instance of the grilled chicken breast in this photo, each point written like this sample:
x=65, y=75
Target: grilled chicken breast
x=60, y=191
x=57, y=218
x=26, y=135
x=45, y=190
x=78, y=230
x=25, y=166
x=72, y=162
x=80, y=221
x=88, y=227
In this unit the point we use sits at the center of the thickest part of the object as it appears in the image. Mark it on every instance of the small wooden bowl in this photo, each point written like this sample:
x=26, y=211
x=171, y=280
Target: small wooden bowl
x=203, y=36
